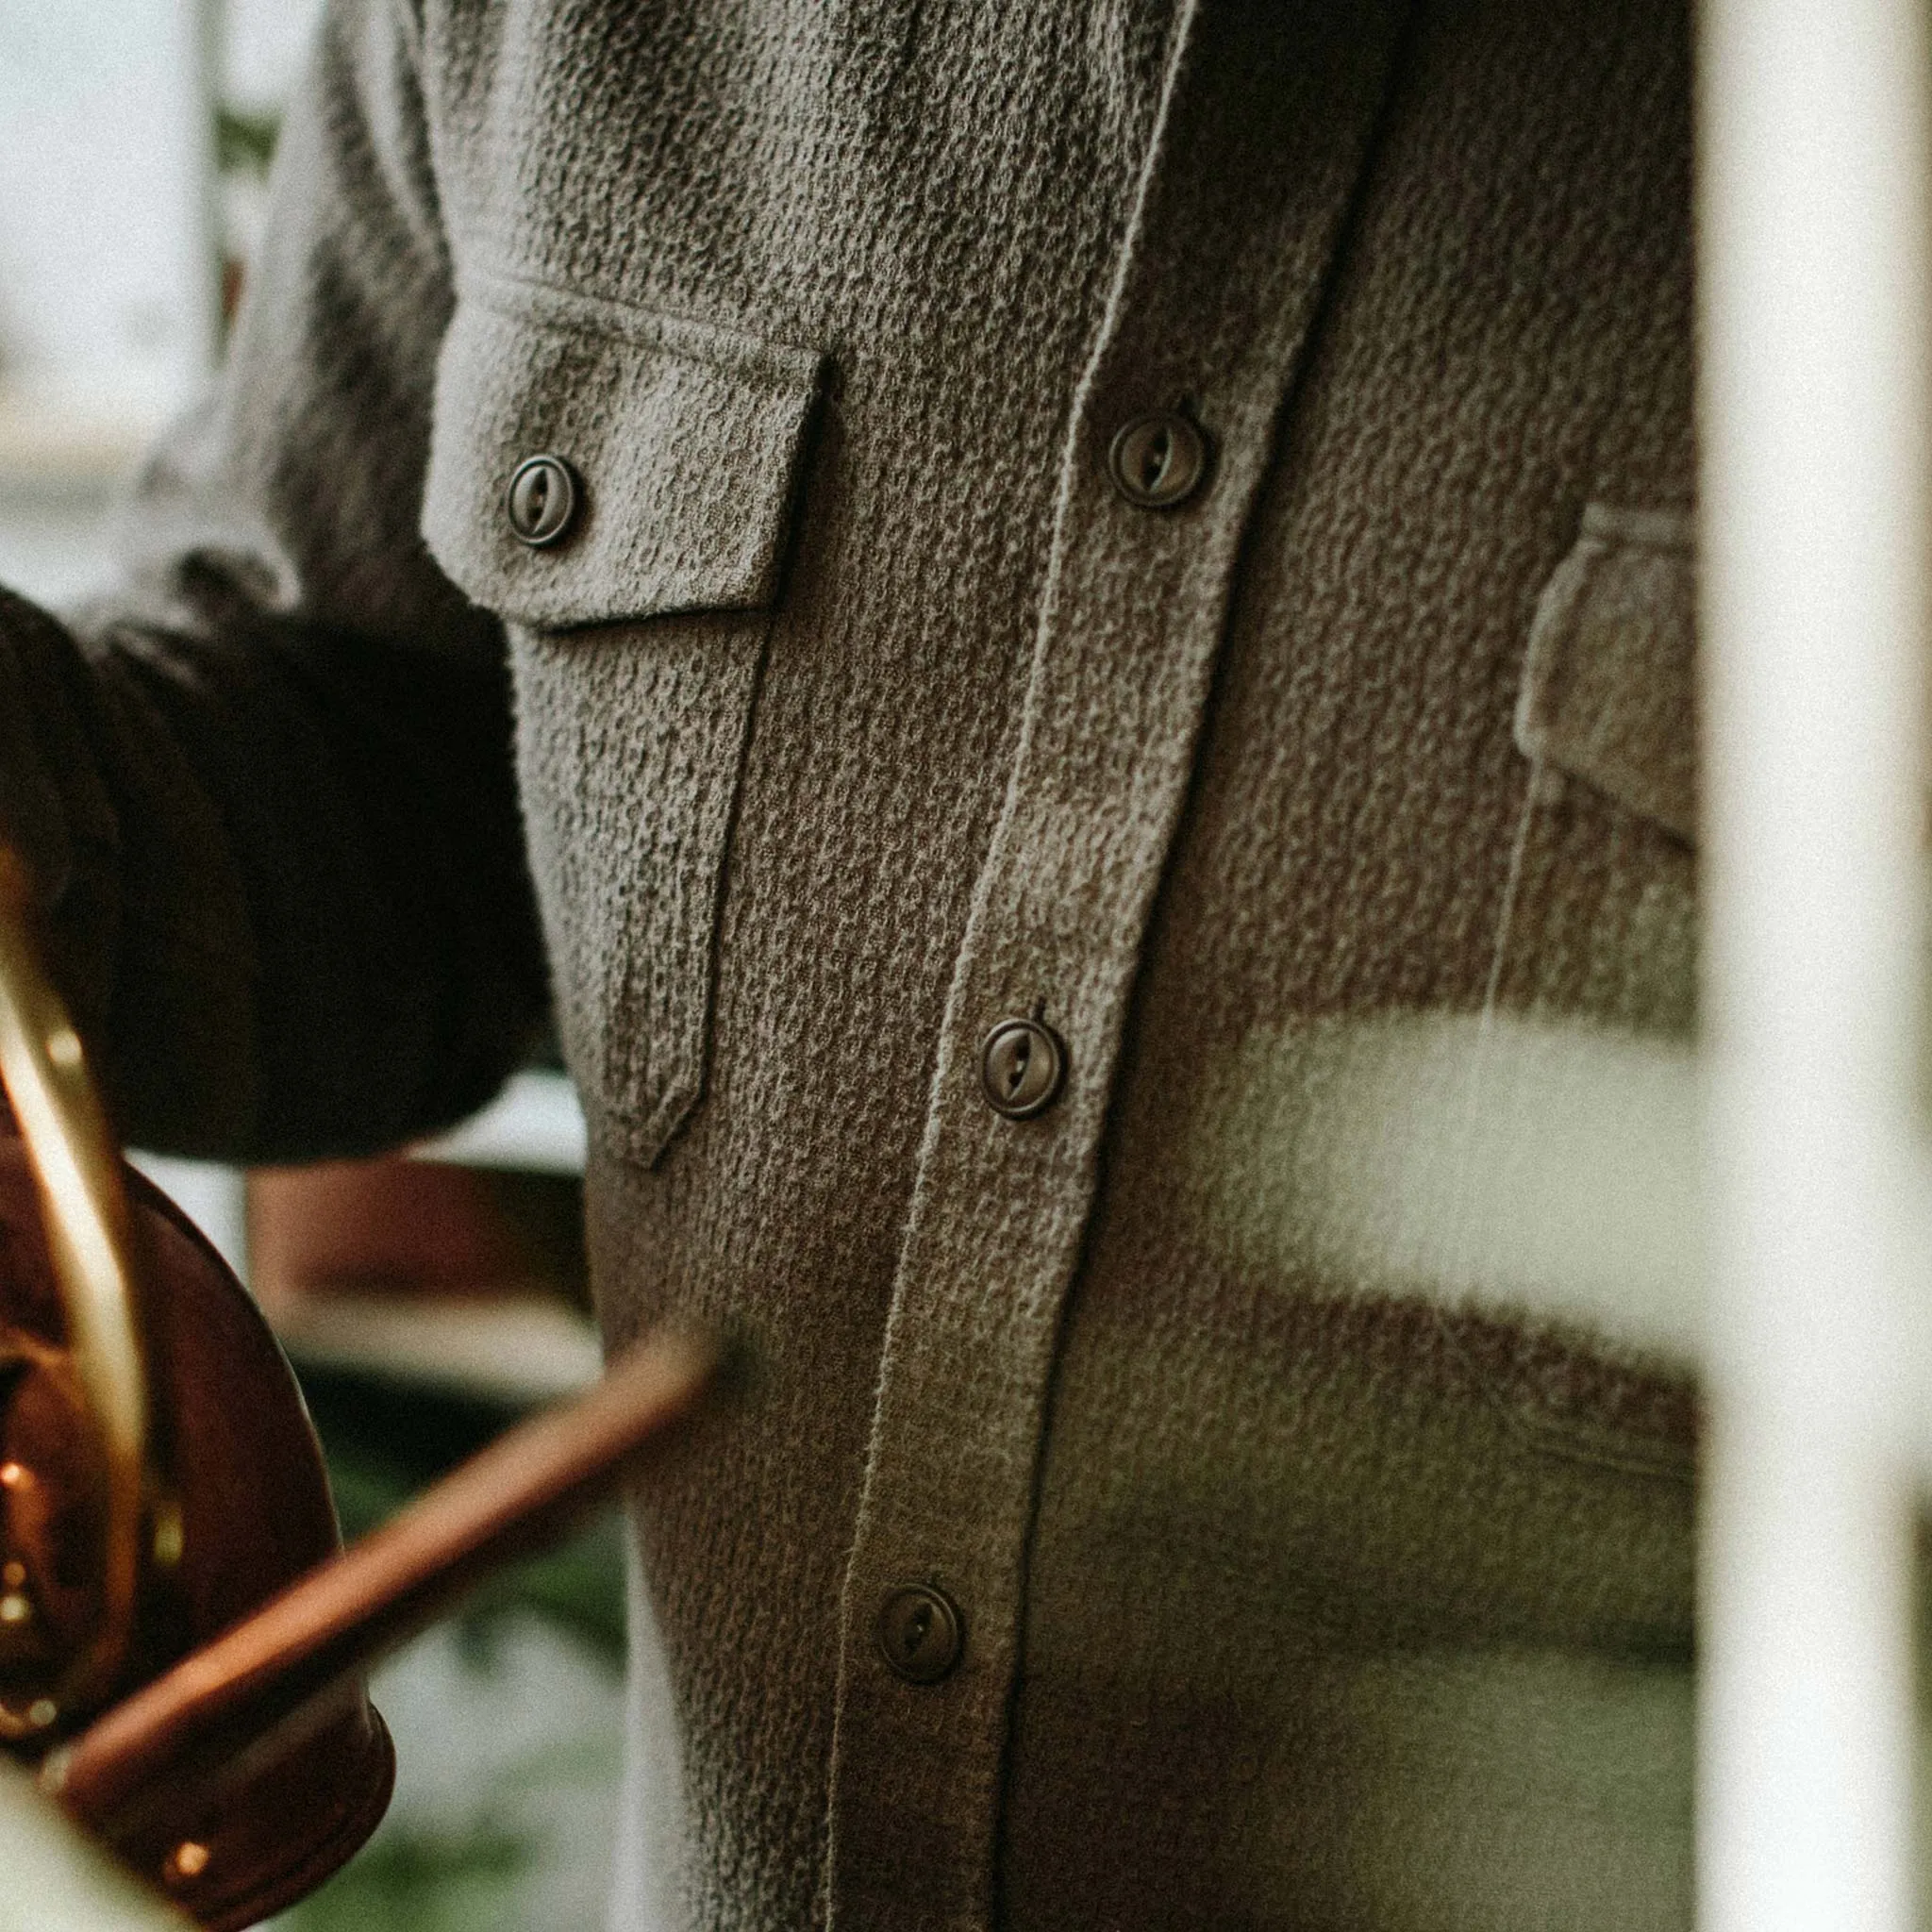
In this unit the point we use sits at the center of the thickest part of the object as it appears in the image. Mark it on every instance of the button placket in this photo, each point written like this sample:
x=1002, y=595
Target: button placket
x=1130, y=631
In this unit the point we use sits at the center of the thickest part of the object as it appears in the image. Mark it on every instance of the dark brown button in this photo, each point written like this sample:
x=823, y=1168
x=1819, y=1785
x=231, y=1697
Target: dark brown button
x=1159, y=460
x=542, y=501
x=1023, y=1067
x=920, y=1633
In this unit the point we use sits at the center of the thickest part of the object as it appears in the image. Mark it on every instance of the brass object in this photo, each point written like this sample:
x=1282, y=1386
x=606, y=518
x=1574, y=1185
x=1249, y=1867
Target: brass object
x=238, y=1508
x=183, y=1640
x=159, y=1476
x=76, y=1168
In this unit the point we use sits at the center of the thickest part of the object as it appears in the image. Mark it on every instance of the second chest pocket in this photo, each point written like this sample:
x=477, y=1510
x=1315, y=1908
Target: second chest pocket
x=618, y=487
x=1603, y=926
x=1609, y=689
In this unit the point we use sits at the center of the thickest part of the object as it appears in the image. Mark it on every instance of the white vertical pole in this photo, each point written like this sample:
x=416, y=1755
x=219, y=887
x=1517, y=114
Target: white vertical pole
x=1812, y=208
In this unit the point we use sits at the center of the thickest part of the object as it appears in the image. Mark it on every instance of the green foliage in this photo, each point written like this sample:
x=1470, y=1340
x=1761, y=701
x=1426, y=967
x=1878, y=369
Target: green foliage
x=244, y=143
x=428, y=1881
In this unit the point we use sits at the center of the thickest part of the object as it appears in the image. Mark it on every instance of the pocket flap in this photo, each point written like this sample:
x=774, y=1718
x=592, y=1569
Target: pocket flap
x=685, y=440
x=1609, y=688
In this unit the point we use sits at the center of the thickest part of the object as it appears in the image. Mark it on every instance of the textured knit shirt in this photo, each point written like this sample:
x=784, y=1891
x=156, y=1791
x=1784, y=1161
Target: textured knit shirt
x=1297, y=1413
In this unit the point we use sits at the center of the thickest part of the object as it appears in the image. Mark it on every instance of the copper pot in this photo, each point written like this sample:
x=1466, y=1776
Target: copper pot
x=159, y=1476
x=235, y=1508
x=182, y=1639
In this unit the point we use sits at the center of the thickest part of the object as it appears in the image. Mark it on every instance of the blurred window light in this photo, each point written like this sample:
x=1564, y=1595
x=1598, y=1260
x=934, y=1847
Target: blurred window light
x=107, y=293
x=264, y=43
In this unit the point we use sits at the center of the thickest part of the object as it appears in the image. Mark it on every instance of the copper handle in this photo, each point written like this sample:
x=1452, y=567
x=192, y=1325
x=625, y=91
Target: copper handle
x=76, y=1169
x=269, y=1680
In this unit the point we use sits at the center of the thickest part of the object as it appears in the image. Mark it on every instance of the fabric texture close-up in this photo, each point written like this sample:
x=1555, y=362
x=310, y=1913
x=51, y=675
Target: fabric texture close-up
x=1072, y=626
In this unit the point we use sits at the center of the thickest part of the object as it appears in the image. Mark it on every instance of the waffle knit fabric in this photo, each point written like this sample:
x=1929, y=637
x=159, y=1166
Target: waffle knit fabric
x=1301, y=1412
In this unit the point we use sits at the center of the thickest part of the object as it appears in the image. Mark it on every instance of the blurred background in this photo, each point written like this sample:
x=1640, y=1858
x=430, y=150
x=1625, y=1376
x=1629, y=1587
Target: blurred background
x=427, y=1300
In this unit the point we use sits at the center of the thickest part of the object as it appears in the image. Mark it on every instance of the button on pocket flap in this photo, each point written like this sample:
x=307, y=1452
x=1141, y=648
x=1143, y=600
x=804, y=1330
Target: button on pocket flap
x=1609, y=686
x=674, y=450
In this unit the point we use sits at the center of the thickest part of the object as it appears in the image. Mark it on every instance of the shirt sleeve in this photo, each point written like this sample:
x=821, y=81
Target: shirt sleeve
x=266, y=789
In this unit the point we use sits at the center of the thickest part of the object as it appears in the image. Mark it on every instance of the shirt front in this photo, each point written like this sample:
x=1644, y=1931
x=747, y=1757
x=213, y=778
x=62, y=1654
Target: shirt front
x=1161, y=527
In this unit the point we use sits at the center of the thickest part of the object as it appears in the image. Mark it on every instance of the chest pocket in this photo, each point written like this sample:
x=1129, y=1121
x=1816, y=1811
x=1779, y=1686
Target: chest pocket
x=1610, y=690
x=638, y=623
x=1603, y=928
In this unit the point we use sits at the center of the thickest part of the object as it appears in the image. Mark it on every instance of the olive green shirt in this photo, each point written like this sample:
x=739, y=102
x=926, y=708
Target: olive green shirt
x=1297, y=1413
